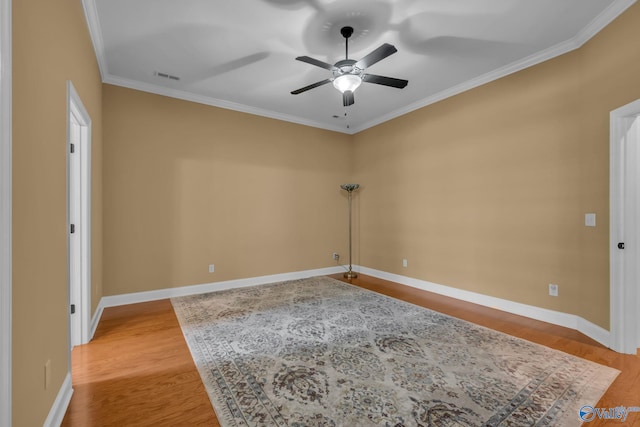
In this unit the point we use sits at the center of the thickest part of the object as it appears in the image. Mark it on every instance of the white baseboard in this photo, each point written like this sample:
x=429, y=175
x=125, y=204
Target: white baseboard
x=594, y=331
x=133, y=298
x=550, y=316
x=95, y=320
x=60, y=405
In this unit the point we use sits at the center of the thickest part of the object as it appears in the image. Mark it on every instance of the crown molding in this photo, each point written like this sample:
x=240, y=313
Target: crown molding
x=615, y=9
x=95, y=32
x=214, y=102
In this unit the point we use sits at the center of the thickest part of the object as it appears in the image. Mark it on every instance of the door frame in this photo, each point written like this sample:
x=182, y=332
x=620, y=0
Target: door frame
x=80, y=293
x=5, y=213
x=624, y=276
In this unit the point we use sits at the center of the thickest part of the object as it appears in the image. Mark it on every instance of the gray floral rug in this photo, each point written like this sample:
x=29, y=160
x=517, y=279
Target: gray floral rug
x=319, y=352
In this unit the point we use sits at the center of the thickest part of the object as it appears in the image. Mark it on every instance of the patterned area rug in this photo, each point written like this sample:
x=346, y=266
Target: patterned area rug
x=319, y=352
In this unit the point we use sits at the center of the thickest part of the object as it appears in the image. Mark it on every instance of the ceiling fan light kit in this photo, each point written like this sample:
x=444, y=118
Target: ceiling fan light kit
x=347, y=82
x=348, y=74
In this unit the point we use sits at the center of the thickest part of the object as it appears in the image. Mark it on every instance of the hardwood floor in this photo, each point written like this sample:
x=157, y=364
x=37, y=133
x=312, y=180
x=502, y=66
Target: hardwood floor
x=138, y=371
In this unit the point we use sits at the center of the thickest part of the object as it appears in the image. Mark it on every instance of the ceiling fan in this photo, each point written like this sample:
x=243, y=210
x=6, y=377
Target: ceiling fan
x=348, y=74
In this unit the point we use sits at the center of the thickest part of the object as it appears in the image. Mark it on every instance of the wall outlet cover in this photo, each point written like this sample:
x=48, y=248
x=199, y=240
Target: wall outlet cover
x=590, y=220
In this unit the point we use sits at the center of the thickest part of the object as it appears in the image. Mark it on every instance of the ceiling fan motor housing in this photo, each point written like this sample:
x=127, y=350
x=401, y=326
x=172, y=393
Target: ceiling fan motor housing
x=346, y=66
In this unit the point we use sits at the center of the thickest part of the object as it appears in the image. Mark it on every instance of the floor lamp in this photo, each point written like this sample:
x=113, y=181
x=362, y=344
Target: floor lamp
x=350, y=188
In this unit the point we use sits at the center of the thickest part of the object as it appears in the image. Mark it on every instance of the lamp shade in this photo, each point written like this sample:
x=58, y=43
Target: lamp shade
x=350, y=187
x=347, y=82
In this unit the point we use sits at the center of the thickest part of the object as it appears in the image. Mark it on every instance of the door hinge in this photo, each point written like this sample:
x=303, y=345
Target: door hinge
x=73, y=148
x=73, y=308
x=621, y=245
x=73, y=228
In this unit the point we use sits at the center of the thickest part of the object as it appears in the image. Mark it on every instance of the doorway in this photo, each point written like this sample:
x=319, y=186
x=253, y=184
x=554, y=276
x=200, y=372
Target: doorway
x=625, y=228
x=79, y=217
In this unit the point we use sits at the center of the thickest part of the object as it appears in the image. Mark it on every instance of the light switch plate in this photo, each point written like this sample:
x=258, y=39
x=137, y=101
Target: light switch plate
x=590, y=220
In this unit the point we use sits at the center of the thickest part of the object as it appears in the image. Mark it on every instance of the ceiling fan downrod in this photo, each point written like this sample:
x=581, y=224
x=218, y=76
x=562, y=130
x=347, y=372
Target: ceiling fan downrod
x=346, y=33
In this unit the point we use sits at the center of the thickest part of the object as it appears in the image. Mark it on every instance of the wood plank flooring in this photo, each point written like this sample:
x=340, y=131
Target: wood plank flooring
x=138, y=371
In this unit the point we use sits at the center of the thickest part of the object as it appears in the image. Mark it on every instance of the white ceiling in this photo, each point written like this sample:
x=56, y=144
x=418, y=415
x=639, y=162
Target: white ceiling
x=240, y=54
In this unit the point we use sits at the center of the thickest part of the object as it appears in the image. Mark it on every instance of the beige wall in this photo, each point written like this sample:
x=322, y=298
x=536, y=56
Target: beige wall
x=50, y=46
x=187, y=185
x=487, y=191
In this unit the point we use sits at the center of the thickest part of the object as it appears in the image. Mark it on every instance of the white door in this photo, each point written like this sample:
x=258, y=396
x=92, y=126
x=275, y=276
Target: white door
x=79, y=215
x=625, y=228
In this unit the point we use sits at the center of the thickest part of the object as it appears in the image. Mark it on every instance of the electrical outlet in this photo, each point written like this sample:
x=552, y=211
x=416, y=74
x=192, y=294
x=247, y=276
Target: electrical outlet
x=404, y=262
x=212, y=268
x=553, y=290
x=336, y=256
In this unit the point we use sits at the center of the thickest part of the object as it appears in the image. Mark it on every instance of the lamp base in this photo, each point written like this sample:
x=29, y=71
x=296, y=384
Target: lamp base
x=350, y=275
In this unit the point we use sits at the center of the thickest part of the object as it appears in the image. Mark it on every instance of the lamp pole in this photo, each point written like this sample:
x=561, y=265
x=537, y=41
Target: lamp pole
x=350, y=188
